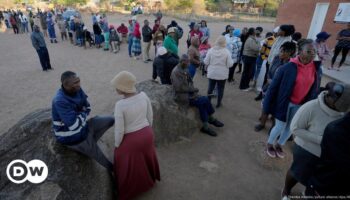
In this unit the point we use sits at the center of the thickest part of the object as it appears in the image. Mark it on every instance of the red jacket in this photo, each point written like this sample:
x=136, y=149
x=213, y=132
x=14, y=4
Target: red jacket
x=137, y=32
x=13, y=21
x=122, y=29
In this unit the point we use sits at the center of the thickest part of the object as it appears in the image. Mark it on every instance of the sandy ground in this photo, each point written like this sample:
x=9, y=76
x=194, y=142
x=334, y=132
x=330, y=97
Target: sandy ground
x=230, y=166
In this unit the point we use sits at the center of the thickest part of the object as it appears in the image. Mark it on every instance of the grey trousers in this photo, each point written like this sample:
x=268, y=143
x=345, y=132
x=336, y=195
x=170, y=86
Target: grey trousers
x=97, y=127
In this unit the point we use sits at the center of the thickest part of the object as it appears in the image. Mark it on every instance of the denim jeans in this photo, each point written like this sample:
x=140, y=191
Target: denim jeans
x=281, y=128
x=130, y=38
x=192, y=70
x=220, y=85
x=249, y=64
x=259, y=62
x=204, y=106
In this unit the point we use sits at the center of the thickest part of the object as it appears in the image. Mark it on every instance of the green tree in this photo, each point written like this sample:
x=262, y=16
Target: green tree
x=69, y=2
x=179, y=4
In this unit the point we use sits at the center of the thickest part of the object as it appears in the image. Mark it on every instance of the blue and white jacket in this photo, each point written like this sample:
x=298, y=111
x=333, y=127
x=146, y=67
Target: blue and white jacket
x=69, y=117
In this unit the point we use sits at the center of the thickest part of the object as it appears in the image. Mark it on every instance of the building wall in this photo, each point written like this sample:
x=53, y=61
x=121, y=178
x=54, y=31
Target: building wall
x=300, y=13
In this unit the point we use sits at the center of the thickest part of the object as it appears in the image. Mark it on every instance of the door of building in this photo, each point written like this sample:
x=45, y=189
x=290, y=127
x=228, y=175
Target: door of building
x=318, y=19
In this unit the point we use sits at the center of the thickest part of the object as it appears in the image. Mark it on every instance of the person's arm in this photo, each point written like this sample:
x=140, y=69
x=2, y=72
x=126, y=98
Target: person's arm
x=229, y=61
x=87, y=107
x=149, y=111
x=300, y=124
x=180, y=84
x=207, y=58
x=272, y=91
x=72, y=119
x=118, y=126
x=35, y=43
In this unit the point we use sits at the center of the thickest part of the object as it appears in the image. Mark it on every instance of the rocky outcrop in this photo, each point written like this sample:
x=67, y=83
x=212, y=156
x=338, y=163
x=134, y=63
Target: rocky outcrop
x=171, y=121
x=71, y=175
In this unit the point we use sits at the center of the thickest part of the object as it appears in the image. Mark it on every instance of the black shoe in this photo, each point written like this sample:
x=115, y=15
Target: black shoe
x=208, y=131
x=259, y=97
x=149, y=60
x=259, y=127
x=216, y=123
x=55, y=41
x=218, y=105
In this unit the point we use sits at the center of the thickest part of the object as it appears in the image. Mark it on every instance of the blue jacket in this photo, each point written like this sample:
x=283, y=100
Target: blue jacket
x=279, y=92
x=69, y=114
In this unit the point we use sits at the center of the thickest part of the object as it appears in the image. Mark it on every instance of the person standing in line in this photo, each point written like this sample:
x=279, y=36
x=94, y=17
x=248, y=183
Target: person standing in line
x=193, y=54
x=158, y=38
x=136, y=48
x=98, y=34
x=14, y=24
x=24, y=22
x=39, y=45
x=105, y=30
x=343, y=46
x=308, y=126
x=236, y=54
x=62, y=27
x=204, y=29
x=244, y=37
x=250, y=54
x=43, y=23
x=146, y=41
x=323, y=51
x=219, y=61
x=51, y=28
x=131, y=28
x=136, y=165
x=169, y=41
x=293, y=85
x=123, y=31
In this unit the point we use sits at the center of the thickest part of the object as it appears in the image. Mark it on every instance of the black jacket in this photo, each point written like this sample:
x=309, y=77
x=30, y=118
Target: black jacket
x=163, y=66
x=332, y=175
x=147, y=33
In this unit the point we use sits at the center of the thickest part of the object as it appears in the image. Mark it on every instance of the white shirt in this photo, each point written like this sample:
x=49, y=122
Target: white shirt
x=132, y=114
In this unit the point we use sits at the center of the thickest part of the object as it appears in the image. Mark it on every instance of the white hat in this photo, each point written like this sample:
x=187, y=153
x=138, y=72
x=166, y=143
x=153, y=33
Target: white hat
x=276, y=29
x=125, y=82
x=172, y=30
x=162, y=51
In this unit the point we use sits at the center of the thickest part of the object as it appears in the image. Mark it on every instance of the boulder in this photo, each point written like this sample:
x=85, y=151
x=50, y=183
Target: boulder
x=171, y=121
x=71, y=175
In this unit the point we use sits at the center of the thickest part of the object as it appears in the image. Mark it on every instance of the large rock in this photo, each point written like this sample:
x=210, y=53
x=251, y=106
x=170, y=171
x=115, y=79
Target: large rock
x=171, y=121
x=71, y=175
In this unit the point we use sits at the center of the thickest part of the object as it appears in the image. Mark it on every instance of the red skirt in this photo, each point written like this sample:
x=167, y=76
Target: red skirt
x=136, y=166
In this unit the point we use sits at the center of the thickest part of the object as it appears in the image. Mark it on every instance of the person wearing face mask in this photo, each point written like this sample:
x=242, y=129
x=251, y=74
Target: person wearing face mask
x=39, y=45
x=308, y=126
x=293, y=85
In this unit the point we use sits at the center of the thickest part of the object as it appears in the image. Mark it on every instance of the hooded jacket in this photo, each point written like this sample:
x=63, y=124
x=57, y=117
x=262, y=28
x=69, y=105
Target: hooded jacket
x=218, y=60
x=38, y=40
x=279, y=92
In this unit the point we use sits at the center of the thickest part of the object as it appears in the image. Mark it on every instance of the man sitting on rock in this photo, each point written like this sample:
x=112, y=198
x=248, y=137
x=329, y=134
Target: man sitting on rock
x=70, y=110
x=186, y=93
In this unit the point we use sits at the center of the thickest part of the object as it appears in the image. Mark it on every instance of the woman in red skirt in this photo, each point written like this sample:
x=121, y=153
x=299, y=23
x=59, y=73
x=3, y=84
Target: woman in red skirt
x=135, y=161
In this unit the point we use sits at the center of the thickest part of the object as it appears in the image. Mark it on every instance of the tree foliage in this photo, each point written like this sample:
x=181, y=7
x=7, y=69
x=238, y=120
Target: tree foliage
x=69, y=2
x=179, y=4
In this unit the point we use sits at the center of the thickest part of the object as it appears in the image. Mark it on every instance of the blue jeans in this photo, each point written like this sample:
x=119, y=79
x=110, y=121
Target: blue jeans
x=259, y=62
x=204, y=106
x=192, y=70
x=220, y=86
x=130, y=38
x=281, y=128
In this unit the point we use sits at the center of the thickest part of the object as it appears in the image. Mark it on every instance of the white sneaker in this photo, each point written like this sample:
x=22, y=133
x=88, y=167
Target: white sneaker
x=247, y=90
x=285, y=198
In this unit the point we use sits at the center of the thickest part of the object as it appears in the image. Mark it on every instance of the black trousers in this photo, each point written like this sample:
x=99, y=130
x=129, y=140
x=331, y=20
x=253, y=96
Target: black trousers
x=44, y=58
x=231, y=72
x=249, y=64
x=344, y=52
x=220, y=85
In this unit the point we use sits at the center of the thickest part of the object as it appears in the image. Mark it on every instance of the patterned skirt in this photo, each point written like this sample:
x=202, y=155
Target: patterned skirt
x=136, y=46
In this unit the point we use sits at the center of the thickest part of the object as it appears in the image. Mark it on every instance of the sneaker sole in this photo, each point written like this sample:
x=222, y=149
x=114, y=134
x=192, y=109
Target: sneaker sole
x=271, y=156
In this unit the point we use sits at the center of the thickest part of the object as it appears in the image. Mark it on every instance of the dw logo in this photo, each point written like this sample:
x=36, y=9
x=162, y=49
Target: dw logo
x=35, y=171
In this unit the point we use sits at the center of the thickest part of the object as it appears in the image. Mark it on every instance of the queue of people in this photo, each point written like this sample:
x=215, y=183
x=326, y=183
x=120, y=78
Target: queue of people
x=291, y=94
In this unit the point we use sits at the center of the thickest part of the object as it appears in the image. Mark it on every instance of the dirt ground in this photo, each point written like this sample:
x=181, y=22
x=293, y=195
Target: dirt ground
x=230, y=166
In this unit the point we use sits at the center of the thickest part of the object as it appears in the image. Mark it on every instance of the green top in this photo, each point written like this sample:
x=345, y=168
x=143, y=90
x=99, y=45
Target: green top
x=170, y=45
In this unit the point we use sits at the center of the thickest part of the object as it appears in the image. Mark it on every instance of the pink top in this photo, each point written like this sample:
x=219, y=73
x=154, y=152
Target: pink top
x=198, y=33
x=305, y=79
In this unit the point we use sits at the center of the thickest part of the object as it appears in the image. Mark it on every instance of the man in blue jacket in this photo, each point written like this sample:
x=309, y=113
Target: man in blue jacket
x=70, y=110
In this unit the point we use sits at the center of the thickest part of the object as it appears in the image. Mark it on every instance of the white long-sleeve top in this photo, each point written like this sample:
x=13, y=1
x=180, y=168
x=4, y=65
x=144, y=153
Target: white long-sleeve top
x=218, y=61
x=132, y=114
